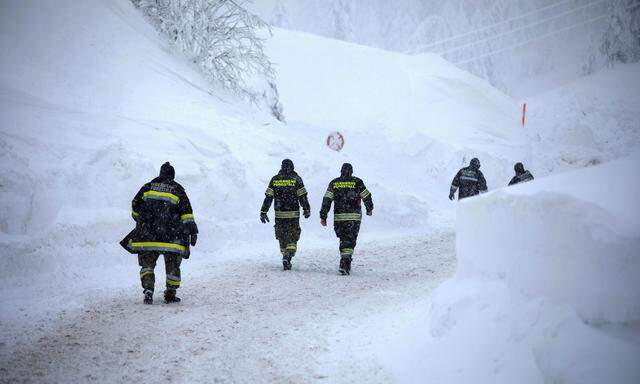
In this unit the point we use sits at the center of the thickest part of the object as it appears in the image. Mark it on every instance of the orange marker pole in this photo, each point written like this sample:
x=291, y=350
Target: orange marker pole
x=524, y=112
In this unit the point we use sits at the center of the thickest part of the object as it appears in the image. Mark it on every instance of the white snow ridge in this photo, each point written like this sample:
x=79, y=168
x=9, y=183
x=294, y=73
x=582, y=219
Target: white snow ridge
x=535, y=283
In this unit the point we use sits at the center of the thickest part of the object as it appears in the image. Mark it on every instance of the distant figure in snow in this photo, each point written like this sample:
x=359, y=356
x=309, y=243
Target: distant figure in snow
x=521, y=174
x=346, y=192
x=289, y=193
x=164, y=226
x=469, y=180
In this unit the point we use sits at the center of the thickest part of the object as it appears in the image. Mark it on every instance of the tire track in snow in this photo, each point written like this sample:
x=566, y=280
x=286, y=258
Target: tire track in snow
x=245, y=322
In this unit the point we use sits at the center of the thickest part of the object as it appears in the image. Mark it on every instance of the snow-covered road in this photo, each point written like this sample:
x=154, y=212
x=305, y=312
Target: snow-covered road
x=244, y=321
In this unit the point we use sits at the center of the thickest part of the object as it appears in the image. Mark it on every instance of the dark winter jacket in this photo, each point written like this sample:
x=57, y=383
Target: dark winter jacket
x=521, y=177
x=470, y=182
x=289, y=193
x=164, y=218
x=346, y=192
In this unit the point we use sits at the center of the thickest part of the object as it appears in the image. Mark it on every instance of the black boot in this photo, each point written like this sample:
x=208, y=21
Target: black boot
x=345, y=266
x=286, y=263
x=170, y=296
x=148, y=296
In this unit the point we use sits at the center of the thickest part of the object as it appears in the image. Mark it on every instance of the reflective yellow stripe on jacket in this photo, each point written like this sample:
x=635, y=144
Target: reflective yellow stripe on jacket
x=187, y=218
x=157, y=246
x=164, y=196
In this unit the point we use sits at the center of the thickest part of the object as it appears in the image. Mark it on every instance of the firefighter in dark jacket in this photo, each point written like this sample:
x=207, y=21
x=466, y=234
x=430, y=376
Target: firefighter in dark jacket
x=469, y=181
x=521, y=174
x=164, y=225
x=289, y=193
x=346, y=192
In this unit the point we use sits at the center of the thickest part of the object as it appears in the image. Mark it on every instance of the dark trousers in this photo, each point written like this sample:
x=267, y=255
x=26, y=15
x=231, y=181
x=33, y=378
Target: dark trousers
x=288, y=233
x=147, y=261
x=347, y=232
x=463, y=193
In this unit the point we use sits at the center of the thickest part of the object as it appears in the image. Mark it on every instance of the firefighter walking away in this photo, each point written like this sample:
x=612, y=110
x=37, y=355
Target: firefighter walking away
x=288, y=193
x=164, y=226
x=346, y=192
x=469, y=181
x=521, y=176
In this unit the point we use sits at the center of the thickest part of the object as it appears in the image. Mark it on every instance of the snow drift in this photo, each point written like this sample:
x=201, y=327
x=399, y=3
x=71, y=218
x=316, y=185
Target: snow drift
x=547, y=286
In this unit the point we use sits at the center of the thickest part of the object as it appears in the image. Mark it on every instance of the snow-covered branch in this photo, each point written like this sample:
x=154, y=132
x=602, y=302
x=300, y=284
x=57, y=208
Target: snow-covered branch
x=222, y=38
x=620, y=41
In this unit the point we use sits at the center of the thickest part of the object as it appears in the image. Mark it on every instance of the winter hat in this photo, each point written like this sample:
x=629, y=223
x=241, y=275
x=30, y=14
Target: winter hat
x=475, y=163
x=519, y=168
x=287, y=166
x=167, y=171
x=347, y=169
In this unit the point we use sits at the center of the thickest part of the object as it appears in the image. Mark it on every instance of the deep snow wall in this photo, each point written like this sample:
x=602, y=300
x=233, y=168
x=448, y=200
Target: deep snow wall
x=568, y=239
x=546, y=288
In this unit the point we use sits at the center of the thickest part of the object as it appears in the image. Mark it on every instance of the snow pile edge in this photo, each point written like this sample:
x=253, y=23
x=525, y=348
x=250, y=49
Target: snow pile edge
x=546, y=288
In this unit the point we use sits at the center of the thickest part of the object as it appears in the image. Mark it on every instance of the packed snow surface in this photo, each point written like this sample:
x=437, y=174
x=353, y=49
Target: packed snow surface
x=242, y=321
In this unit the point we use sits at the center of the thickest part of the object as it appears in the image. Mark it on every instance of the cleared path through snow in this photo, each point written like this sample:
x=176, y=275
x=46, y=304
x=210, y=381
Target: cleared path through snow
x=248, y=321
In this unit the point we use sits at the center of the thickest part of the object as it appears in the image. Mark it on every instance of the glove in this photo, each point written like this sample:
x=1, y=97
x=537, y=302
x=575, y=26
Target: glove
x=369, y=213
x=264, y=218
x=193, y=240
x=451, y=196
x=306, y=214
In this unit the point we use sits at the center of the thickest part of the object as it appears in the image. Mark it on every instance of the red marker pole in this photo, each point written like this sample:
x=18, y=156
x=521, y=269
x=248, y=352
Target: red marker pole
x=529, y=150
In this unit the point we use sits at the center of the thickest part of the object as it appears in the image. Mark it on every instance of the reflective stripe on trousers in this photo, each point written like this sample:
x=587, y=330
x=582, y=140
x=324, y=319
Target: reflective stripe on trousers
x=287, y=214
x=347, y=217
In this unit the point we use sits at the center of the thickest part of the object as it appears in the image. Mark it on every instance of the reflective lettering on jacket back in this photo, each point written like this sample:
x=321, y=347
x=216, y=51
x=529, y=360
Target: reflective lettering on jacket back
x=468, y=176
x=284, y=183
x=344, y=184
x=162, y=187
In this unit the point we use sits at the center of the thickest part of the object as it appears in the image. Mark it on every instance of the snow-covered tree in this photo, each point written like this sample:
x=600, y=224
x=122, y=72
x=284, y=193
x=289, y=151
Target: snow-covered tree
x=224, y=40
x=621, y=40
x=341, y=20
x=280, y=17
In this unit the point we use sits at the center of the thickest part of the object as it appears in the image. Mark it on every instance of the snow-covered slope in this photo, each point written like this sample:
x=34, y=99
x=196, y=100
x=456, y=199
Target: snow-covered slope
x=92, y=102
x=361, y=89
x=547, y=286
x=522, y=46
x=590, y=121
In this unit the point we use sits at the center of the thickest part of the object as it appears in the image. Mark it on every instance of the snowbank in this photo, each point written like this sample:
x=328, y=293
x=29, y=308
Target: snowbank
x=547, y=286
